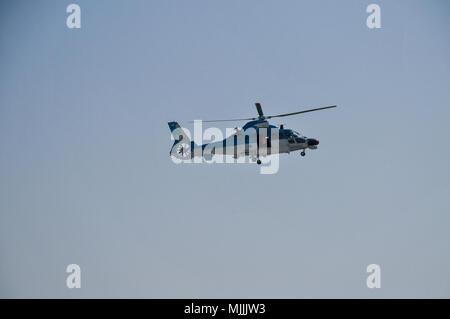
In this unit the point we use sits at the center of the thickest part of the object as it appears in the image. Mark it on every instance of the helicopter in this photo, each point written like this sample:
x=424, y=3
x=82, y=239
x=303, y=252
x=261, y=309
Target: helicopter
x=257, y=133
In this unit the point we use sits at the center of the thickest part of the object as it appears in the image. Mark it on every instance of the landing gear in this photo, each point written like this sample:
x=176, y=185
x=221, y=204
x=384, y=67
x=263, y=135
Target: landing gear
x=303, y=153
x=258, y=162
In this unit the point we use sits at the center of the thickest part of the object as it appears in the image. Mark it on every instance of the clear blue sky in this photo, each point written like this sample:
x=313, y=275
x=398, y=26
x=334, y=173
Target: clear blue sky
x=85, y=175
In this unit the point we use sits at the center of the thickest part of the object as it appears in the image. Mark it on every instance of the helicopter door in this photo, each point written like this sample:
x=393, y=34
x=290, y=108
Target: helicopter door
x=263, y=140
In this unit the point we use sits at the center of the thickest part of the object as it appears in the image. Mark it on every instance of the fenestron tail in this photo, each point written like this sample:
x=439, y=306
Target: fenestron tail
x=182, y=147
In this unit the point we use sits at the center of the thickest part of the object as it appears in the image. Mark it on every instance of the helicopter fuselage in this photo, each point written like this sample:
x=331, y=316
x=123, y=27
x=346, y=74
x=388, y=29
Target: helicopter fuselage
x=258, y=138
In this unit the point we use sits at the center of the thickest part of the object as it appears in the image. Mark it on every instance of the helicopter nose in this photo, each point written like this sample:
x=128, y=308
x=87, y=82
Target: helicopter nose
x=312, y=142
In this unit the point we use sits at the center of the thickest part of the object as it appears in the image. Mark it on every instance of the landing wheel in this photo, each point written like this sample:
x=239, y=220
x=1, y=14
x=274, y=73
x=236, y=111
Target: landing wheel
x=258, y=162
x=303, y=153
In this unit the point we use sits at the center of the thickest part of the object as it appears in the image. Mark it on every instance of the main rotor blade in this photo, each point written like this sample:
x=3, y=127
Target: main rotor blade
x=248, y=119
x=305, y=111
x=259, y=109
x=261, y=115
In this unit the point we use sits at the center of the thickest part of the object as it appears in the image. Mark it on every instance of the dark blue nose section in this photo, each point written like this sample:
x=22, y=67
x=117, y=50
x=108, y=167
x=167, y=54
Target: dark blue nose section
x=312, y=142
